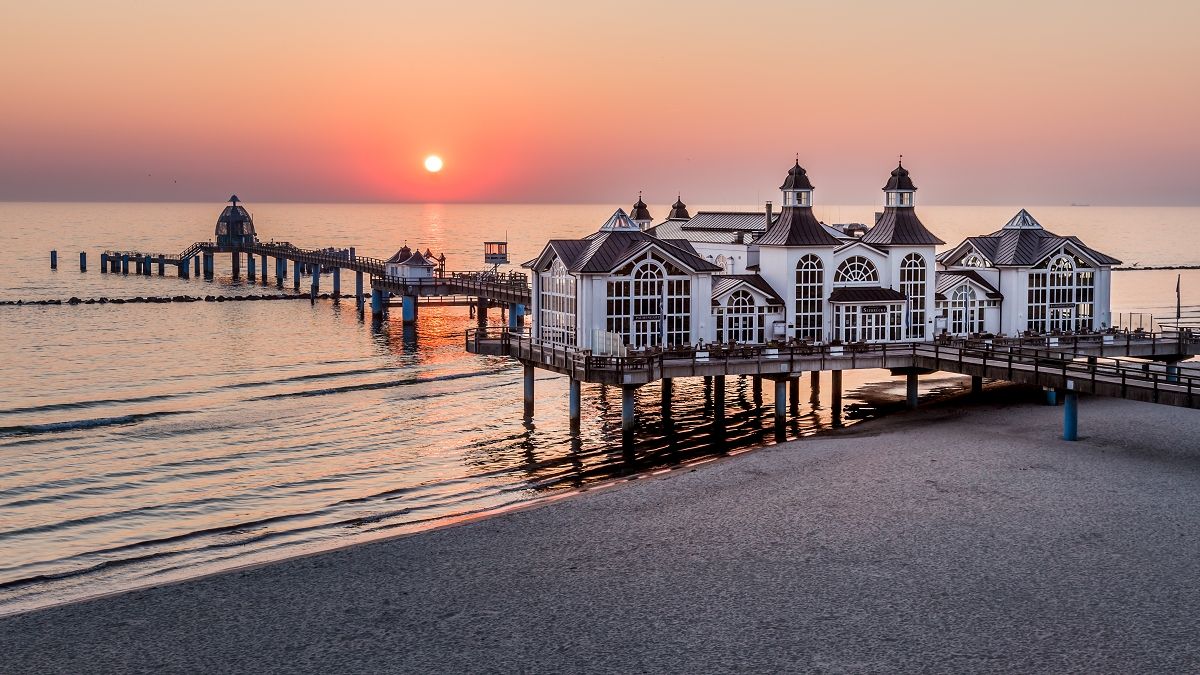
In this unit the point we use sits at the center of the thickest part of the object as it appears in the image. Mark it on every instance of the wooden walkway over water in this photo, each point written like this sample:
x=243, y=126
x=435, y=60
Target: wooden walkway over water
x=1099, y=364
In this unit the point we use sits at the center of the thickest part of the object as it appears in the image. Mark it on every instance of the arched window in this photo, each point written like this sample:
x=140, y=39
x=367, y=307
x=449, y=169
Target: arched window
x=740, y=313
x=912, y=285
x=649, y=302
x=1062, y=294
x=964, y=311
x=855, y=270
x=557, y=305
x=723, y=263
x=973, y=259
x=810, y=294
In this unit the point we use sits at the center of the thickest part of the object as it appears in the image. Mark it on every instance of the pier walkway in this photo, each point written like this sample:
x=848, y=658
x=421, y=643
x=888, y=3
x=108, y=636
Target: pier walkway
x=1098, y=364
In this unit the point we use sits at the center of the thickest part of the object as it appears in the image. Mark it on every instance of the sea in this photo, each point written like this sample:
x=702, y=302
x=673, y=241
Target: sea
x=146, y=443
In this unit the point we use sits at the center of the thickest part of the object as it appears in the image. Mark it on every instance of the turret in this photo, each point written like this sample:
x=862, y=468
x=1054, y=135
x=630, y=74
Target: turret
x=900, y=189
x=640, y=214
x=797, y=189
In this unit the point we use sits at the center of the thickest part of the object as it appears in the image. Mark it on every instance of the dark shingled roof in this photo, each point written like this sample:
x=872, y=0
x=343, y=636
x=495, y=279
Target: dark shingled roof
x=1021, y=243
x=869, y=294
x=639, y=210
x=900, y=179
x=900, y=226
x=796, y=226
x=678, y=210
x=714, y=227
x=403, y=254
x=797, y=179
x=948, y=280
x=606, y=251
x=723, y=283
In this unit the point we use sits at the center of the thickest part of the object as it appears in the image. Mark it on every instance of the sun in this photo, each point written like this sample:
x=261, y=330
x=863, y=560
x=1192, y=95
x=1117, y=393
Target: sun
x=433, y=163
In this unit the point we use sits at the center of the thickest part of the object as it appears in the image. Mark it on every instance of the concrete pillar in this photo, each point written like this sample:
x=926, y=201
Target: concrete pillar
x=358, y=285
x=53, y=259
x=296, y=275
x=251, y=270
x=146, y=265
x=1071, y=416
x=512, y=315
x=185, y=268
x=352, y=254
x=82, y=261
x=103, y=263
x=756, y=386
x=529, y=390
x=574, y=405
x=520, y=310
x=794, y=395
x=913, y=392
x=780, y=410
x=668, y=387
x=409, y=304
x=315, y=288
x=337, y=282
x=976, y=385
x=815, y=380
x=236, y=264
x=1172, y=372
x=376, y=302
x=719, y=403
x=481, y=311
x=836, y=386
x=125, y=264
x=264, y=269
x=137, y=266
x=1051, y=397
x=628, y=406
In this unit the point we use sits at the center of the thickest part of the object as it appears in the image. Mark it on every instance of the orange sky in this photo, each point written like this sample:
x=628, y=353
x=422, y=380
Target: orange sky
x=1013, y=103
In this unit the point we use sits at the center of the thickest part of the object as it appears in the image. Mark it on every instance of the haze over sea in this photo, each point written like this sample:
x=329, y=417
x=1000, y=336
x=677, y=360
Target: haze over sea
x=142, y=443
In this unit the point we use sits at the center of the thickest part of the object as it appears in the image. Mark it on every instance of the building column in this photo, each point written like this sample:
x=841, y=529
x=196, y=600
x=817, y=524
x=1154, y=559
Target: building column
x=358, y=286
x=337, y=282
x=781, y=410
x=409, y=309
x=1070, y=416
x=976, y=385
x=836, y=386
x=528, y=390
x=574, y=405
x=628, y=407
x=913, y=392
x=376, y=302
x=719, y=404
x=668, y=386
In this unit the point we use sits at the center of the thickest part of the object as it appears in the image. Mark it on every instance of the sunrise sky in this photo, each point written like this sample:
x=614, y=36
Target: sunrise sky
x=990, y=103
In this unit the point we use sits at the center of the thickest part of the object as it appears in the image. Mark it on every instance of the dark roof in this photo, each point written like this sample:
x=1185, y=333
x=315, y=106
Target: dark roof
x=900, y=179
x=417, y=260
x=403, y=254
x=639, y=210
x=235, y=221
x=714, y=227
x=1022, y=243
x=796, y=226
x=869, y=294
x=797, y=179
x=683, y=244
x=947, y=280
x=900, y=226
x=678, y=210
x=723, y=283
x=606, y=251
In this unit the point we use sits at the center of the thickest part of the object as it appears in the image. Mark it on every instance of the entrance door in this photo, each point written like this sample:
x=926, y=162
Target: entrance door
x=647, y=332
x=1062, y=318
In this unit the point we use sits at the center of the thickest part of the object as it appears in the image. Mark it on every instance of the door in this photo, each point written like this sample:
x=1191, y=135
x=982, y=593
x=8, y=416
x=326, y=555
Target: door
x=647, y=332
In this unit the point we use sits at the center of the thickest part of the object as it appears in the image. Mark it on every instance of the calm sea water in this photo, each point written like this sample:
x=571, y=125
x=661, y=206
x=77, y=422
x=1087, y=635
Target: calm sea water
x=144, y=443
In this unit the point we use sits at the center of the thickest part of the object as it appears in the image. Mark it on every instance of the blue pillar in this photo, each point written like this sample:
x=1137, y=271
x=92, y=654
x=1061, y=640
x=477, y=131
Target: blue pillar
x=719, y=403
x=264, y=268
x=1051, y=398
x=162, y=264
x=520, y=312
x=1071, y=416
x=82, y=261
x=1172, y=372
x=780, y=410
x=103, y=263
x=296, y=275
x=315, y=288
x=913, y=393
x=146, y=264
x=125, y=263
x=337, y=282
x=668, y=384
x=628, y=407
x=409, y=309
x=236, y=264
x=251, y=272
x=574, y=406
x=358, y=285
x=528, y=390
x=352, y=253
x=376, y=302
x=53, y=260
x=512, y=315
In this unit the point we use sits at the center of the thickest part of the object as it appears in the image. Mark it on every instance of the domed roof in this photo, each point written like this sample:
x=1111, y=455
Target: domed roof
x=402, y=255
x=235, y=221
x=639, y=212
x=797, y=179
x=900, y=179
x=679, y=210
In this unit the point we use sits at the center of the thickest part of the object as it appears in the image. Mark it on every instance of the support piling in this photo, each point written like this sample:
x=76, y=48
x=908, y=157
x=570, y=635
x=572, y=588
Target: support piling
x=1070, y=416
x=528, y=390
x=913, y=392
x=781, y=410
x=573, y=409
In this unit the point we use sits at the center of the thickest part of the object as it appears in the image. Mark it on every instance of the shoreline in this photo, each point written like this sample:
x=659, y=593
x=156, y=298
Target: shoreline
x=658, y=552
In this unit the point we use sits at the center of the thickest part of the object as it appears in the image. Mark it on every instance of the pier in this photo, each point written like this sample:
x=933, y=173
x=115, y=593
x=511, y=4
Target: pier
x=1096, y=364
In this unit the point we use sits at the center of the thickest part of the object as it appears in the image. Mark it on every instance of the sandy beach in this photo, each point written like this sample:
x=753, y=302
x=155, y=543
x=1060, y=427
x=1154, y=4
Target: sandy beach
x=957, y=538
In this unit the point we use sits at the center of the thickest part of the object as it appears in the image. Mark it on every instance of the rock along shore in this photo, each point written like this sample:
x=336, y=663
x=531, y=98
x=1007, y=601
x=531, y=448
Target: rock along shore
x=951, y=539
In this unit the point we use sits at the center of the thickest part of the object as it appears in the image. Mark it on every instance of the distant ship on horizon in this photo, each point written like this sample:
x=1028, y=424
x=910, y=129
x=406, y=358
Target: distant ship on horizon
x=1074, y=204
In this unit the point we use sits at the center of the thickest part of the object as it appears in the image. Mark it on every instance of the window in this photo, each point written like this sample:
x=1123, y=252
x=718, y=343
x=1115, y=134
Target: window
x=723, y=263
x=740, y=314
x=965, y=317
x=912, y=285
x=637, y=296
x=973, y=259
x=810, y=293
x=557, y=310
x=1061, y=295
x=855, y=270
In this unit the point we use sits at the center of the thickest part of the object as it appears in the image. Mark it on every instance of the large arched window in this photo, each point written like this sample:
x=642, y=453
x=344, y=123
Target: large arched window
x=557, y=308
x=973, y=259
x=855, y=270
x=912, y=284
x=964, y=311
x=1062, y=295
x=742, y=320
x=649, y=302
x=810, y=293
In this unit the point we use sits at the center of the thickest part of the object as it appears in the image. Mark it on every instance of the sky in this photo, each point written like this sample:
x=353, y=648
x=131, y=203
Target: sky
x=1014, y=103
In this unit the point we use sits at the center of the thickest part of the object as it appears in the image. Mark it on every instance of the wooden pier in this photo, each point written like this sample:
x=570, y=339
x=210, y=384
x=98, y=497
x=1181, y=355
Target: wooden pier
x=1098, y=364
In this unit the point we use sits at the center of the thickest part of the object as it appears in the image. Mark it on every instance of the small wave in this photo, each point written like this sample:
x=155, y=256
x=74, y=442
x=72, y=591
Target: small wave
x=55, y=427
x=382, y=385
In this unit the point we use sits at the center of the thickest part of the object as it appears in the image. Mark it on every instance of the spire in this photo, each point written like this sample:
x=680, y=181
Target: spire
x=899, y=224
x=640, y=214
x=679, y=210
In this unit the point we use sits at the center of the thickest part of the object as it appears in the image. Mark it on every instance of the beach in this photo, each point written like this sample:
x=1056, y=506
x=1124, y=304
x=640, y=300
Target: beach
x=961, y=537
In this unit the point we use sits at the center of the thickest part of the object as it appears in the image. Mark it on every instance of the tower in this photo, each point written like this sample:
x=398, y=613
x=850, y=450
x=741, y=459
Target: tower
x=640, y=214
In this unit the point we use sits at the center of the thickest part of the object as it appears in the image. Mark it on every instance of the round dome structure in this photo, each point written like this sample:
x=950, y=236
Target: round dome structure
x=235, y=227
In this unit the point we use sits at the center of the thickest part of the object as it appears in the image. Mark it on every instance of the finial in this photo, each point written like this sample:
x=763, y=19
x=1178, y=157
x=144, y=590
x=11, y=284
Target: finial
x=901, y=160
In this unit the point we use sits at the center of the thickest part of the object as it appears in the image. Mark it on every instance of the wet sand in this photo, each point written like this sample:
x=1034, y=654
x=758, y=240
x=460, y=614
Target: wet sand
x=956, y=538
